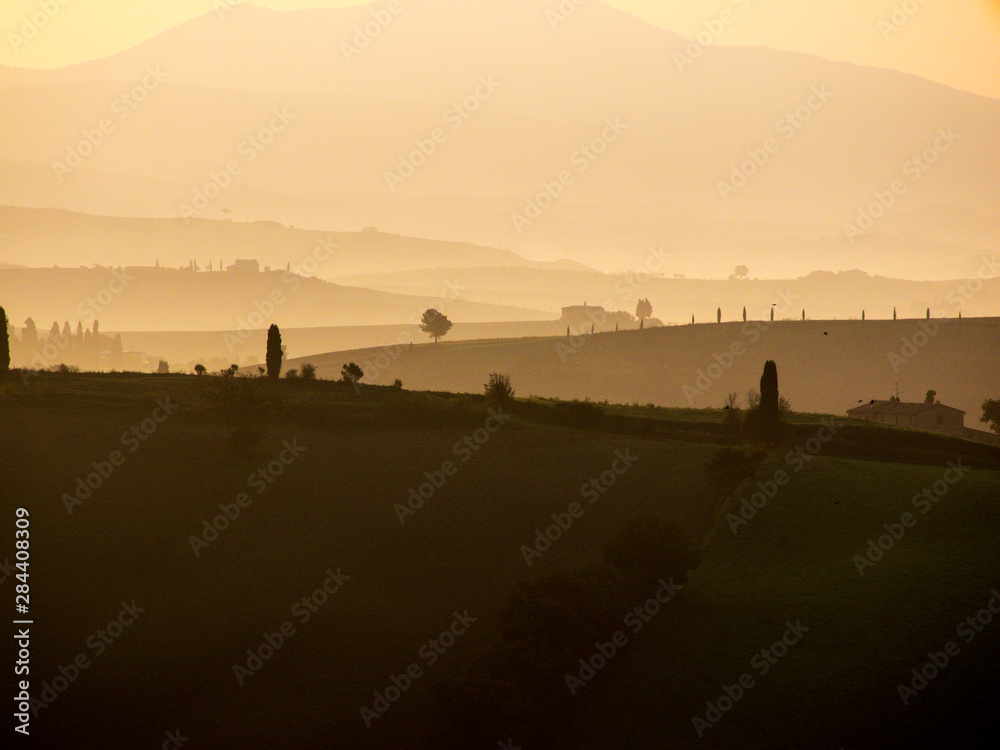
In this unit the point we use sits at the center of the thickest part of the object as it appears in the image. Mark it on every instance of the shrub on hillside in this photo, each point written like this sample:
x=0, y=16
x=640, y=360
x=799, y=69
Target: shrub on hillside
x=499, y=391
x=579, y=413
x=730, y=467
x=651, y=548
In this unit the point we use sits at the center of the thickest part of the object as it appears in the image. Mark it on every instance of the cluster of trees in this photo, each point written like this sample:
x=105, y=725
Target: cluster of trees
x=85, y=348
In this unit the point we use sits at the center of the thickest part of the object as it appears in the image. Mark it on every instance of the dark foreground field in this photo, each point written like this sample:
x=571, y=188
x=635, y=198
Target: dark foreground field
x=331, y=511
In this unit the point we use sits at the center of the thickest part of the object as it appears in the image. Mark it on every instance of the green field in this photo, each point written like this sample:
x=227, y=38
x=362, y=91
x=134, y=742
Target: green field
x=333, y=508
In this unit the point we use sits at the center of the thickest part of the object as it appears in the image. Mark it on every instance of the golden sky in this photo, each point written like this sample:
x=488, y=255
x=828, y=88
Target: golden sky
x=956, y=42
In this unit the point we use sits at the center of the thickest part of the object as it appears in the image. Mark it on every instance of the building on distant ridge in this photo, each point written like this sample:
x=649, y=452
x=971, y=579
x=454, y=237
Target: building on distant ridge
x=245, y=266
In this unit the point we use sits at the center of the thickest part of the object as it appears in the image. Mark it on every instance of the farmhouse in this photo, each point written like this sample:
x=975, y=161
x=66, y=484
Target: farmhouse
x=244, y=266
x=921, y=416
x=582, y=313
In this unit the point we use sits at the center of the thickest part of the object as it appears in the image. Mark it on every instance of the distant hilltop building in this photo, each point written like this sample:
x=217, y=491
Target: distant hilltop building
x=582, y=313
x=244, y=266
x=936, y=417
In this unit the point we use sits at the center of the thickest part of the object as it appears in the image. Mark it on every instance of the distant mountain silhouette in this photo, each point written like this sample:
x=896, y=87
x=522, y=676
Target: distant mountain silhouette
x=352, y=121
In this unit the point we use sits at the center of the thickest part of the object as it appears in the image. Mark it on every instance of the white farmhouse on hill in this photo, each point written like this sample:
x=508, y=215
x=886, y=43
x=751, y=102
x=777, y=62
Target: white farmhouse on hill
x=935, y=417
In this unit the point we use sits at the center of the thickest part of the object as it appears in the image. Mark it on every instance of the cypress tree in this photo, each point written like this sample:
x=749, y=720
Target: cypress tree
x=4, y=342
x=769, y=396
x=273, y=357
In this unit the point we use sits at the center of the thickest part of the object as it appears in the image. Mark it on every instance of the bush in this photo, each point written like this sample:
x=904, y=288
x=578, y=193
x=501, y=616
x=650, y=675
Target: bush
x=651, y=548
x=308, y=372
x=499, y=391
x=730, y=467
x=292, y=374
x=580, y=413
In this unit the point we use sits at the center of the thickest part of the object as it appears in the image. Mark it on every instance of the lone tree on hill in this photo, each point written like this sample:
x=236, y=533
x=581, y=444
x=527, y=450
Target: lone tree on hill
x=274, y=353
x=741, y=272
x=4, y=342
x=435, y=324
x=929, y=398
x=744, y=314
x=718, y=315
x=351, y=373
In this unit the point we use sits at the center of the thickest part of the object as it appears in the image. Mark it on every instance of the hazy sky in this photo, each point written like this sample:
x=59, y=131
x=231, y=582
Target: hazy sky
x=956, y=42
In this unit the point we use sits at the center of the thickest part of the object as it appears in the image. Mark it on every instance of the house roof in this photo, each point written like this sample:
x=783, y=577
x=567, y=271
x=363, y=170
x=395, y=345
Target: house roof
x=900, y=407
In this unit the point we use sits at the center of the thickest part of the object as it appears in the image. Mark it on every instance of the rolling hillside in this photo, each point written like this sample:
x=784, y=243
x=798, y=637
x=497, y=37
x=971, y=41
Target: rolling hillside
x=331, y=512
x=823, y=366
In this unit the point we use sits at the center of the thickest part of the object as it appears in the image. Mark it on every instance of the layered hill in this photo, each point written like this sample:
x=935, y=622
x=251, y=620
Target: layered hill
x=517, y=103
x=823, y=366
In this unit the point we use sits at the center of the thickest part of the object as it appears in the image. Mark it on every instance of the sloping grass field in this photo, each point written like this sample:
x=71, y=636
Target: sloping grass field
x=336, y=507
